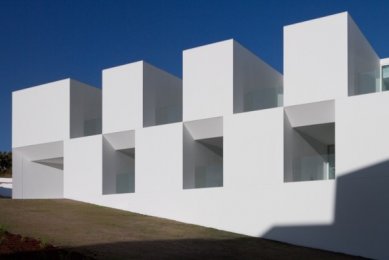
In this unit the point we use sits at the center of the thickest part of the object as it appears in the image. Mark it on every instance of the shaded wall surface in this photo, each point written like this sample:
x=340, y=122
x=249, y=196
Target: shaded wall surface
x=360, y=223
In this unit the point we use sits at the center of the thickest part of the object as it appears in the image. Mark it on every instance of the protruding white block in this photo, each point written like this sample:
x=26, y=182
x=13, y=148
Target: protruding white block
x=85, y=110
x=253, y=150
x=138, y=95
x=119, y=162
x=361, y=126
x=41, y=114
x=37, y=171
x=158, y=166
x=83, y=166
x=327, y=58
x=224, y=78
x=55, y=111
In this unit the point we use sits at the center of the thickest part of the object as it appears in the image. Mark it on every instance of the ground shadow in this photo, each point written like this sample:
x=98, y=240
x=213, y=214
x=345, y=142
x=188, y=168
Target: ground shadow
x=240, y=248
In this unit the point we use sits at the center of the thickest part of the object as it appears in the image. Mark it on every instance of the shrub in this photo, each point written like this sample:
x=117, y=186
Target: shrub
x=6, y=164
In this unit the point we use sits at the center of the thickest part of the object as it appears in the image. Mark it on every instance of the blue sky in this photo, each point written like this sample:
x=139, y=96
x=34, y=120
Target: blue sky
x=43, y=41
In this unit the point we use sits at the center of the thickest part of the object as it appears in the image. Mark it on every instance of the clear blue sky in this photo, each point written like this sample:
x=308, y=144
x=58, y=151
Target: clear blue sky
x=43, y=41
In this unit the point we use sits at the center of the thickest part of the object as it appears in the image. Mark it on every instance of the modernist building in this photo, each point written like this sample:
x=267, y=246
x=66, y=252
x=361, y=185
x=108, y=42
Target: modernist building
x=301, y=157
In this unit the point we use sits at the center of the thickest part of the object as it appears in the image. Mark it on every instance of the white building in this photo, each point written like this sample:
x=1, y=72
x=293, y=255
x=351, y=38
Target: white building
x=301, y=158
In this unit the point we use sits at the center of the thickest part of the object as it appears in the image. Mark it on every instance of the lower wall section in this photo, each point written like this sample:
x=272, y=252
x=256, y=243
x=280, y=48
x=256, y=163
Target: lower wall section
x=158, y=166
x=346, y=215
x=83, y=168
x=253, y=198
x=360, y=213
x=32, y=180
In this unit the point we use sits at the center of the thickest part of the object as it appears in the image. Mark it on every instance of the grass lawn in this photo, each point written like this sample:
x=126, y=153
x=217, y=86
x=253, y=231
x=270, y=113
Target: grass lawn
x=103, y=233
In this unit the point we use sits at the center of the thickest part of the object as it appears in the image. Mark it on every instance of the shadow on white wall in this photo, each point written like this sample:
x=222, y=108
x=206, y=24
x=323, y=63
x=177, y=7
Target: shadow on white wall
x=361, y=209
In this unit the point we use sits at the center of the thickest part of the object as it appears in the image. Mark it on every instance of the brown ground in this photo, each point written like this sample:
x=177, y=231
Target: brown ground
x=6, y=174
x=14, y=246
x=102, y=233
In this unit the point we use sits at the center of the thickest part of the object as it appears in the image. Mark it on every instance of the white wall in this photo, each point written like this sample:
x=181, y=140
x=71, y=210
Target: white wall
x=208, y=81
x=188, y=159
x=53, y=112
x=362, y=158
x=363, y=62
x=360, y=198
x=162, y=97
x=254, y=78
x=138, y=95
x=299, y=145
x=41, y=151
x=109, y=168
x=85, y=105
x=203, y=166
x=328, y=58
x=360, y=131
x=348, y=214
x=33, y=180
x=198, y=136
x=41, y=114
x=253, y=150
x=123, y=97
x=311, y=114
x=217, y=78
x=161, y=145
x=315, y=60
x=205, y=128
x=117, y=162
x=159, y=189
x=83, y=168
x=305, y=213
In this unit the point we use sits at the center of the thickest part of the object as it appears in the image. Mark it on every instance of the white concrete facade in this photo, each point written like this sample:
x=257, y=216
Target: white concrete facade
x=300, y=158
